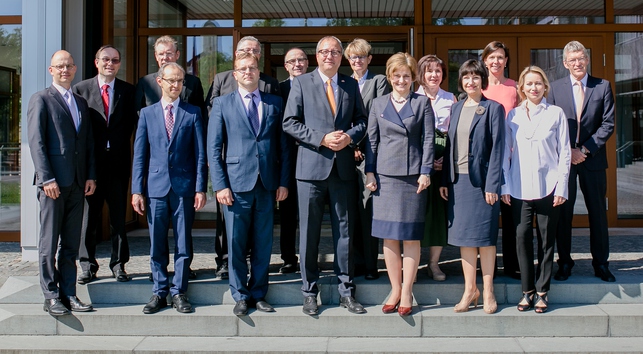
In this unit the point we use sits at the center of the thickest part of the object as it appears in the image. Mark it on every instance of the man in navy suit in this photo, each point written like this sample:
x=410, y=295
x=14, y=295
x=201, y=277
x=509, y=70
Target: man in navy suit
x=326, y=115
x=62, y=149
x=169, y=179
x=249, y=160
x=588, y=103
x=113, y=115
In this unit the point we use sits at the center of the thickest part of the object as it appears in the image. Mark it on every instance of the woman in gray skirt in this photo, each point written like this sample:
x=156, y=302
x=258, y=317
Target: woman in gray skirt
x=399, y=162
x=472, y=176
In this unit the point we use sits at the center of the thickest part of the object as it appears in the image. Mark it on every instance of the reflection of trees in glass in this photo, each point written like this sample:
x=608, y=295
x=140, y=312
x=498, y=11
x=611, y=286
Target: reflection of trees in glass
x=269, y=22
x=11, y=43
x=389, y=21
x=210, y=64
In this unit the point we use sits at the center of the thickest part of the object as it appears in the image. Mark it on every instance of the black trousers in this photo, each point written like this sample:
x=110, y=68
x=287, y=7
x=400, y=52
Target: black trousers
x=546, y=216
x=509, y=257
x=289, y=218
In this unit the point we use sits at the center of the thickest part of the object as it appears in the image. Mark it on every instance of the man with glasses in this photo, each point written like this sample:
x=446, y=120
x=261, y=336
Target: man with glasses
x=296, y=63
x=169, y=180
x=326, y=115
x=62, y=149
x=249, y=164
x=225, y=83
x=588, y=103
x=113, y=116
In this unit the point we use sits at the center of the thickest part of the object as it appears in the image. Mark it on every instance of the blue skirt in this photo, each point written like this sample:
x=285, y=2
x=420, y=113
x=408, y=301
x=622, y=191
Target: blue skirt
x=398, y=211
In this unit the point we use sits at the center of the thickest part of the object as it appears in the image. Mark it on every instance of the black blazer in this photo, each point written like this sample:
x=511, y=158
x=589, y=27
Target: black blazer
x=148, y=92
x=225, y=83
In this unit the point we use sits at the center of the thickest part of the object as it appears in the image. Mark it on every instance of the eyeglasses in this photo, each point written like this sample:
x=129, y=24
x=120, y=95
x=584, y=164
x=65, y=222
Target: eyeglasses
x=113, y=60
x=326, y=52
x=172, y=82
x=354, y=58
x=252, y=69
x=296, y=60
x=249, y=50
x=63, y=67
x=166, y=54
x=577, y=60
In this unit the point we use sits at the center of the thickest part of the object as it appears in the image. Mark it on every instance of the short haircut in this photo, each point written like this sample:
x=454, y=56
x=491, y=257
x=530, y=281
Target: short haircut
x=162, y=69
x=166, y=40
x=521, y=81
x=294, y=48
x=246, y=39
x=329, y=37
x=425, y=64
x=243, y=55
x=357, y=47
x=107, y=46
x=492, y=47
x=473, y=67
x=401, y=60
x=574, y=46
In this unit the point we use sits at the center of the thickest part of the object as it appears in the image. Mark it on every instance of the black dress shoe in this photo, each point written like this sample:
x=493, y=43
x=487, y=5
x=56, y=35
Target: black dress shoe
x=288, y=268
x=604, y=273
x=352, y=305
x=86, y=276
x=150, y=278
x=241, y=308
x=371, y=275
x=74, y=304
x=155, y=305
x=310, y=306
x=263, y=306
x=180, y=303
x=564, y=272
x=120, y=275
x=191, y=275
x=222, y=271
x=55, y=307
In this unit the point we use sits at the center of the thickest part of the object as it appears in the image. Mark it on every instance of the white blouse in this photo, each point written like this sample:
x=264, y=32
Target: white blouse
x=441, y=108
x=537, y=152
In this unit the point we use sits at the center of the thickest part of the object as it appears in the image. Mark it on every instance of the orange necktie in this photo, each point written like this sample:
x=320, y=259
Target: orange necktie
x=331, y=96
x=579, y=97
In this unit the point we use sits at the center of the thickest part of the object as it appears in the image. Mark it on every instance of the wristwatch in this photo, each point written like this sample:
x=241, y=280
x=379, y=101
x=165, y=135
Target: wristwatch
x=584, y=150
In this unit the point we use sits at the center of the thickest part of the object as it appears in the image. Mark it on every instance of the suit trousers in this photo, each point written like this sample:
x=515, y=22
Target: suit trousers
x=221, y=238
x=509, y=257
x=312, y=196
x=289, y=216
x=111, y=189
x=60, y=229
x=179, y=211
x=546, y=222
x=249, y=220
x=365, y=246
x=593, y=184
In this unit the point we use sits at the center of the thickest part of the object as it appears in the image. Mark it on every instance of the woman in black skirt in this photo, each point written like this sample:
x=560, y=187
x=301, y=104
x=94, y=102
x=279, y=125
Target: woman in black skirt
x=399, y=162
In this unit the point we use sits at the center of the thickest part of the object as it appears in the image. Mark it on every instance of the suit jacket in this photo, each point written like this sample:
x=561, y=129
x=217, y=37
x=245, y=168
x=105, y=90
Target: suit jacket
x=284, y=89
x=57, y=150
x=122, y=120
x=375, y=85
x=224, y=83
x=597, y=119
x=308, y=117
x=235, y=154
x=148, y=92
x=179, y=163
x=486, y=145
x=400, y=143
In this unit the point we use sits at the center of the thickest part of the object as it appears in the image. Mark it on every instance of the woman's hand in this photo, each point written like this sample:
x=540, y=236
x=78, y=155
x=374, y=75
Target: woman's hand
x=491, y=198
x=444, y=193
x=371, y=184
x=437, y=164
x=558, y=200
x=506, y=198
x=423, y=183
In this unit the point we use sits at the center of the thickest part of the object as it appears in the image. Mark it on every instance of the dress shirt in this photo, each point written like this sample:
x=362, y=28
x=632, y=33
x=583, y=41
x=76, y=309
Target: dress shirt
x=110, y=91
x=175, y=107
x=62, y=91
x=361, y=81
x=441, y=108
x=537, y=152
x=257, y=99
x=583, y=81
x=334, y=84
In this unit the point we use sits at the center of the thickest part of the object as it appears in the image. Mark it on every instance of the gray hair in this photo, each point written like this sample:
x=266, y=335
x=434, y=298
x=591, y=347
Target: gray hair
x=574, y=46
x=248, y=38
x=159, y=73
x=333, y=38
x=166, y=40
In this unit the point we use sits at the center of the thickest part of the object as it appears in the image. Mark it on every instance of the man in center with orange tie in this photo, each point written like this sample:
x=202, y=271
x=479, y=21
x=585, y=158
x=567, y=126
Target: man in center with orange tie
x=326, y=115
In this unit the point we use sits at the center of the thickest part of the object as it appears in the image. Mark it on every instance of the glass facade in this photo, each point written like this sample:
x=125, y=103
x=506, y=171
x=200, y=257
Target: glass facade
x=181, y=14
x=628, y=11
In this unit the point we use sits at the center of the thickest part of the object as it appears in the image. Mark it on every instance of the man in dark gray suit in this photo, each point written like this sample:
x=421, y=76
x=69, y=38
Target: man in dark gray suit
x=588, y=103
x=62, y=149
x=326, y=115
x=111, y=105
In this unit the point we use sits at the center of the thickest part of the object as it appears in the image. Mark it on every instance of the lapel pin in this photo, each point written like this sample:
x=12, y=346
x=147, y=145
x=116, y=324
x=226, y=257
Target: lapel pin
x=480, y=110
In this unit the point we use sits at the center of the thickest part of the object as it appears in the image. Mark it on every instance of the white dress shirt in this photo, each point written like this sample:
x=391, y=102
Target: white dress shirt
x=441, y=108
x=537, y=152
x=257, y=99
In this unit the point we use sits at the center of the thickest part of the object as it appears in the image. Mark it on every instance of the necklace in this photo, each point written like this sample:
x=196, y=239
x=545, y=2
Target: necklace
x=402, y=100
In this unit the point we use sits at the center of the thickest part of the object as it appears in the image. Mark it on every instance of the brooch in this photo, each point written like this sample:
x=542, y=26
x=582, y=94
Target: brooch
x=480, y=110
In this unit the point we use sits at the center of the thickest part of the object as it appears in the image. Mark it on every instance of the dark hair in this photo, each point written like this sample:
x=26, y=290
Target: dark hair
x=492, y=47
x=424, y=63
x=474, y=67
x=107, y=46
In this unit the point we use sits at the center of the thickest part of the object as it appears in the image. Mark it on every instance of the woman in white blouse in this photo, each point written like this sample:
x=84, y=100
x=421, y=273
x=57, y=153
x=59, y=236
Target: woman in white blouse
x=536, y=169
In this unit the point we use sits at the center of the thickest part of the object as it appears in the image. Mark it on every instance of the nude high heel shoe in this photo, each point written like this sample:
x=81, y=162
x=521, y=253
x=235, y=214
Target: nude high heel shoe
x=489, y=302
x=463, y=305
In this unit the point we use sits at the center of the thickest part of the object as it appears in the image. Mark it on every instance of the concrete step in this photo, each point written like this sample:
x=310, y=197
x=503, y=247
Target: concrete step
x=233, y=345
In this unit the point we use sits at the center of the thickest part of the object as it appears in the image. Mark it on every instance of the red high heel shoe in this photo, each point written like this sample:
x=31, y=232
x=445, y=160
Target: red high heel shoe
x=390, y=308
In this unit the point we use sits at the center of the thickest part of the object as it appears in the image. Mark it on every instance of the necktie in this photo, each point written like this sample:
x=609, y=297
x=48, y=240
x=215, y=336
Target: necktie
x=579, y=96
x=169, y=121
x=253, y=113
x=330, y=94
x=105, y=96
x=72, y=109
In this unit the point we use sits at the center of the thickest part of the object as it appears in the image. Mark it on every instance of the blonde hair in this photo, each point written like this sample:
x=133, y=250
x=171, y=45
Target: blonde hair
x=521, y=81
x=357, y=47
x=401, y=60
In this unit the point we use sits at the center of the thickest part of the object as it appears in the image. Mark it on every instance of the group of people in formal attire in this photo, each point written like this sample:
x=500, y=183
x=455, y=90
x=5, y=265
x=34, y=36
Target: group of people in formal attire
x=408, y=166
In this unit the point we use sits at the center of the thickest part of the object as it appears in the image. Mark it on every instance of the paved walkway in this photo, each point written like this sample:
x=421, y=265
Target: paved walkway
x=626, y=255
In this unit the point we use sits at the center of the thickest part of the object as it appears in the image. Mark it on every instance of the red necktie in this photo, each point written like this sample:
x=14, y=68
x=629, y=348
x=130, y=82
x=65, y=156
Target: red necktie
x=169, y=121
x=105, y=96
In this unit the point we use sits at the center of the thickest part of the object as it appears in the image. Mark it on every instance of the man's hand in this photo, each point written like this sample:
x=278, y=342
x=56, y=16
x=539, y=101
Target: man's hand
x=371, y=182
x=577, y=156
x=282, y=193
x=359, y=156
x=491, y=198
x=224, y=197
x=138, y=203
x=199, y=200
x=336, y=140
x=90, y=187
x=51, y=190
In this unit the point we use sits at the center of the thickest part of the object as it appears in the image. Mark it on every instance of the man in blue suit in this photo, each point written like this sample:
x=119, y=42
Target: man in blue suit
x=249, y=160
x=169, y=178
x=326, y=115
